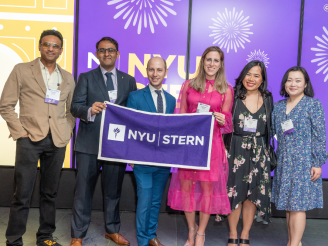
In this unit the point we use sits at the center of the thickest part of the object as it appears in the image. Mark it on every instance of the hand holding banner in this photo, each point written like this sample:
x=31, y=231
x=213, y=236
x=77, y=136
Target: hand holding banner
x=138, y=137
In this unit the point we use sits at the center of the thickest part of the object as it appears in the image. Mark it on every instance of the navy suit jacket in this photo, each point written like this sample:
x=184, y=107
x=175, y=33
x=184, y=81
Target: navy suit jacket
x=91, y=88
x=143, y=100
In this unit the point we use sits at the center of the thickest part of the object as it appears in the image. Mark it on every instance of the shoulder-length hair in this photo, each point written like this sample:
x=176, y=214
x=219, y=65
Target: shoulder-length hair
x=240, y=90
x=220, y=83
x=308, y=91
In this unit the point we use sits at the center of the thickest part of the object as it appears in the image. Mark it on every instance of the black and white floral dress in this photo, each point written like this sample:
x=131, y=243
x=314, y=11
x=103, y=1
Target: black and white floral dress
x=249, y=162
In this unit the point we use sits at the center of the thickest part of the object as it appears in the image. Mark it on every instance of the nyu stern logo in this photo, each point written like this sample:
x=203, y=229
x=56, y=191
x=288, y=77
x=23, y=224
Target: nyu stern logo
x=116, y=132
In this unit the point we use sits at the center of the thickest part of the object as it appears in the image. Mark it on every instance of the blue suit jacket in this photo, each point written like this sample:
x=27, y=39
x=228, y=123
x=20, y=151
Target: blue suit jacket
x=143, y=100
x=91, y=88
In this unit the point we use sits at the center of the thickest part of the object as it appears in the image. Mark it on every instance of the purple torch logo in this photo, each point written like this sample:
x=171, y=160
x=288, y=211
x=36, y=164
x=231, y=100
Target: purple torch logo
x=116, y=131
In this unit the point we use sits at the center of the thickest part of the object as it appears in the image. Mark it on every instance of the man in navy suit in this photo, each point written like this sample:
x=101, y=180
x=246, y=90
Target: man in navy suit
x=104, y=83
x=151, y=180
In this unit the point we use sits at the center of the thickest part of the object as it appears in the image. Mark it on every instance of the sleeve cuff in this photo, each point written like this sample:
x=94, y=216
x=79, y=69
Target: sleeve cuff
x=317, y=163
x=17, y=136
x=91, y=118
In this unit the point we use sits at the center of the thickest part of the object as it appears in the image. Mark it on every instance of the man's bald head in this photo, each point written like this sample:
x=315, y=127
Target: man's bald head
x=157, y=58
x=156, y=71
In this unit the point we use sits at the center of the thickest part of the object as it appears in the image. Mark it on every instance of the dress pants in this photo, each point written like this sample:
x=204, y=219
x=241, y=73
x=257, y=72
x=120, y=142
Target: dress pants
x=151, y=182
x=51, y=161
x=88, y=168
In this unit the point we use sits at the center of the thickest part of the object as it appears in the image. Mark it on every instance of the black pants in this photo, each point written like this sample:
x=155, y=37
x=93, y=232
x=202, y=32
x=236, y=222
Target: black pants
x=88, y=168
x=51, y=161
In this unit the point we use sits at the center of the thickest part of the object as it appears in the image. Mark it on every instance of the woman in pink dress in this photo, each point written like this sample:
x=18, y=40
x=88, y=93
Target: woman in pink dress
x=205, y=190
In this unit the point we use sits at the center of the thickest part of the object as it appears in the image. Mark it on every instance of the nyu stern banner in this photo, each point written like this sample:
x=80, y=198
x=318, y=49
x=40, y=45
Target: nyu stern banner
x=133, y=136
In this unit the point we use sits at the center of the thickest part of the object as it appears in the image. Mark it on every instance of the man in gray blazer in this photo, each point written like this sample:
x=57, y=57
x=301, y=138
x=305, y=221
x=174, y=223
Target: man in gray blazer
x=104, y=83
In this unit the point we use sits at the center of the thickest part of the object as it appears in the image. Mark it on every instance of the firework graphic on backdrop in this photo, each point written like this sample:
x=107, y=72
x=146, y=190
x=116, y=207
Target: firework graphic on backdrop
x=231, y=30
x=258, y=55
x=143, y=13
x=322, y=53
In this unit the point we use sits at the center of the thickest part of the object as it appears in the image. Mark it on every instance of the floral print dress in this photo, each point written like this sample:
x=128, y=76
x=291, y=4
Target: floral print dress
x=297, y=153
x=249, y=162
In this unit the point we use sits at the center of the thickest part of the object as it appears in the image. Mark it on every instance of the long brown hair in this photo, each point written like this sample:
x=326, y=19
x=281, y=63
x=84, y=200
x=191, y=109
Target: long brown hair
x=220, y=83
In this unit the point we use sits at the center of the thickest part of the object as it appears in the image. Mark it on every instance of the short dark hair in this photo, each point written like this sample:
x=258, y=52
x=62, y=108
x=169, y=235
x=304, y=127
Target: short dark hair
x=113, y=41
x=165, y=66
x=54, y=33
x=240, y=90
x=308, y=91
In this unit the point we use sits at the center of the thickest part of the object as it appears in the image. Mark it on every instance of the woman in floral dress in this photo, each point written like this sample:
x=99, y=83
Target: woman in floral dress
x=297, y=182
x=205, y=190
x=249, y=182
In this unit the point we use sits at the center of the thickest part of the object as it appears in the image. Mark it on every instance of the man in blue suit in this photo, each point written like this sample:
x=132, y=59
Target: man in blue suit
x=151, y=180
x=104, y=83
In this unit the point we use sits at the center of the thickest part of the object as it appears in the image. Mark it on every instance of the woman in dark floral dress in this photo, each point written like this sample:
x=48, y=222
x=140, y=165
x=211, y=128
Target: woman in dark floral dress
x=249, y=182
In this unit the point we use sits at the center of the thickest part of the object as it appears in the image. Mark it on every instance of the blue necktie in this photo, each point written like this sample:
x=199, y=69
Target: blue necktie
x=159, y=101
x=110, y=84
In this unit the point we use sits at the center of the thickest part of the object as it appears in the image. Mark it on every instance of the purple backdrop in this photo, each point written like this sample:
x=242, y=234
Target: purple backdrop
x=163, y=33
x=143, y=29
x=264, y=30
x=245, y=30
x=315, y=52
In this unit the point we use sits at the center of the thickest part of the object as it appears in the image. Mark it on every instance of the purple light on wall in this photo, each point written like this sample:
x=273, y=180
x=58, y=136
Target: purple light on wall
x=143, y=29
x=315, y=52
x=245, y=31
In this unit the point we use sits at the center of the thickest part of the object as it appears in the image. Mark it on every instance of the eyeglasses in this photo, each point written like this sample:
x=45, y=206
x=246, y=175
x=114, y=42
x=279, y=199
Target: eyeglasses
x=103, y=50
x=48, y=44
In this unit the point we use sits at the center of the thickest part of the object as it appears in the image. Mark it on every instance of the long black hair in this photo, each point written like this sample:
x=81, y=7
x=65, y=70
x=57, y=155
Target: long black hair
x=308, y=90
x=240, y=90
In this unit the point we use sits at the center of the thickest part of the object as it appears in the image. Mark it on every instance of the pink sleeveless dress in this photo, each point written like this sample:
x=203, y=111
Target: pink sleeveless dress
x=204, y=190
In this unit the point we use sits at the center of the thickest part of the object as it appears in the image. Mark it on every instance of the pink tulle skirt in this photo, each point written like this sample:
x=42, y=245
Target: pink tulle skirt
x=202, y=190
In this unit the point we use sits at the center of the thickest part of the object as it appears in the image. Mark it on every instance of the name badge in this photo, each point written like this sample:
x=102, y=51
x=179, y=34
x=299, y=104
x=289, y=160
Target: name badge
x=287, y=127
x=250, y=125
x=112, y=95
x=203, y=108
x=52, y=96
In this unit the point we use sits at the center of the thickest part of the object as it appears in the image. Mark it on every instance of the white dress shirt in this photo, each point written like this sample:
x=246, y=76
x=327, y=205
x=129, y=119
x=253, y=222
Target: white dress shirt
x=53, y=80
x=155, y=96
x=91, y=118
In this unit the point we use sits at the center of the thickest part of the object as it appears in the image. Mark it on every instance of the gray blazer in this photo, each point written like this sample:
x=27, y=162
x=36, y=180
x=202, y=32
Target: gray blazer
x=91, y=88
